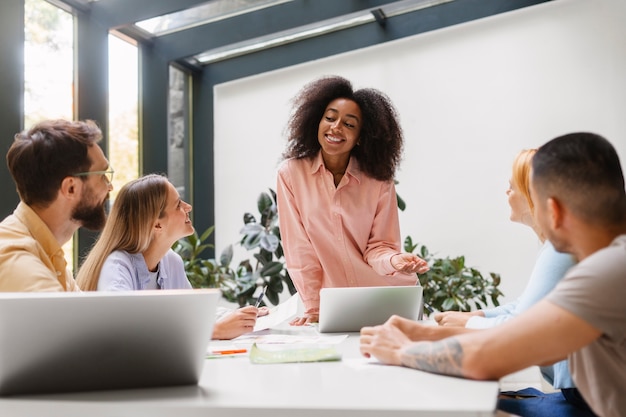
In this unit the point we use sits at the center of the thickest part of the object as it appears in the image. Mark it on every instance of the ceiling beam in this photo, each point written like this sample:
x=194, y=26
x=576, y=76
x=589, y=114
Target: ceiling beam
x=397, y=27
x=258, y=23
x=118, y=13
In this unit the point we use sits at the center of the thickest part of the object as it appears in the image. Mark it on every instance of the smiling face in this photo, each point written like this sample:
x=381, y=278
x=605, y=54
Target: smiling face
x=339, y=129
x=175, y=220
x=520, y=209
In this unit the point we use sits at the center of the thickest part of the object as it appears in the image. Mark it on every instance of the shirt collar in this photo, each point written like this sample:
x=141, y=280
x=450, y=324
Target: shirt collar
x=38, y=229
x=144, y=273
x=352, y=170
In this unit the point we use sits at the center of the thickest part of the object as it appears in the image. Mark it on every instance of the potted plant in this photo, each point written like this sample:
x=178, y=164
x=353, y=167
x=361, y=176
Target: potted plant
x=264, y=238
x=449, y=284
x=238, y=284
x=452, y=285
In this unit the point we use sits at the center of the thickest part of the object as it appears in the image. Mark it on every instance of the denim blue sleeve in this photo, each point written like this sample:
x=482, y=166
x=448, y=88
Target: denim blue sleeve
x=172, y=275
x=549, y=269
x=118, y=273
x=493, y=317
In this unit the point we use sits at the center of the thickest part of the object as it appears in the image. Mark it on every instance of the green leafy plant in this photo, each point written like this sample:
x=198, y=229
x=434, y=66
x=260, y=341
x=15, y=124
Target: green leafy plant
x=264, y=237
x=197, y=269
x=452, y=285
x=238, y=284
x=208, y=273
x=449, y=284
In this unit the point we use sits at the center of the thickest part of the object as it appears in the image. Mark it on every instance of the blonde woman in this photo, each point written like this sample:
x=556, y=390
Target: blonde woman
x=134, y=250
x=550, y=267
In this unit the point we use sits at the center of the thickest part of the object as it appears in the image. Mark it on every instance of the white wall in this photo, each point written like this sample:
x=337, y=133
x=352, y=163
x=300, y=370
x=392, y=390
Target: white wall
x=470, y=97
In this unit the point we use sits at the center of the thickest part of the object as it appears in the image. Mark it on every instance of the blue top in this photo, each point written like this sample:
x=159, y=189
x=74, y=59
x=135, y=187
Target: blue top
x=123, y=271
x=549, y=268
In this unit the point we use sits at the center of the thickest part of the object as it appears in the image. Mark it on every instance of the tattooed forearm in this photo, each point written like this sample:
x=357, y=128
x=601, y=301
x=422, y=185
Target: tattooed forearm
x=442, y=357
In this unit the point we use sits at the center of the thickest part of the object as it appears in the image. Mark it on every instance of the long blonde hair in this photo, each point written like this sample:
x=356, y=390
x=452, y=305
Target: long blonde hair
x=129, y=226
x=521, y=174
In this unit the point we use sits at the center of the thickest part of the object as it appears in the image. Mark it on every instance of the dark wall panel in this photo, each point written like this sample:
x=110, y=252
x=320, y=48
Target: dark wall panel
x=91, y=94
x=11, y=92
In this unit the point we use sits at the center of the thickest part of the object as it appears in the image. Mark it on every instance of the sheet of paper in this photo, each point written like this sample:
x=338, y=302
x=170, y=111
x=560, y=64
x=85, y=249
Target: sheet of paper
x=279, y=315
x=283, y=338
x=274, y=330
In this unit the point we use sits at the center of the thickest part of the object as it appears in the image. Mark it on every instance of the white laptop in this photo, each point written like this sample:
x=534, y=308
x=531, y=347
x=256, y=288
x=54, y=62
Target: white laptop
x=351, y=308
x=60, y=342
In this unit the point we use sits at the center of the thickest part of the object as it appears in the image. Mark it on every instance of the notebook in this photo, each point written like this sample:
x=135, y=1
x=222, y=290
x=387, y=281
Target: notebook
x=351, y=308
x=61, y=342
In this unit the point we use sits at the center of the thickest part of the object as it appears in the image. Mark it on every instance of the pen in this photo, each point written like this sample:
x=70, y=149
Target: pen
x=228, y=352
x=258, y=300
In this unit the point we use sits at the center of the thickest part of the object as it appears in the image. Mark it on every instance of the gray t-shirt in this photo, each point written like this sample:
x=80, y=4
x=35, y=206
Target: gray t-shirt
x=595, y=291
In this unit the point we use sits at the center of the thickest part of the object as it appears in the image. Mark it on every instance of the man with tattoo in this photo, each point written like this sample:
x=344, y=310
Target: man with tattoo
x=577, y=184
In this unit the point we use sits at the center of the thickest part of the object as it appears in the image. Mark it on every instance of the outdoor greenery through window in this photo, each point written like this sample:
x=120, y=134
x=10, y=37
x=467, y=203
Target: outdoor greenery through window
x=48, y=68
x=123, y=112
x=49, y=87
x=48, y=63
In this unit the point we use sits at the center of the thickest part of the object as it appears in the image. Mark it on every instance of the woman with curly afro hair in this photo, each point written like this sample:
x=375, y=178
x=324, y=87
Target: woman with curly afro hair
x=337, y=202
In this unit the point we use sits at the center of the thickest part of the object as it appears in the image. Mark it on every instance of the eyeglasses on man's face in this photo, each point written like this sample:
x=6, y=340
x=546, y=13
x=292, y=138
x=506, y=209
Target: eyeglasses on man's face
x=107, y=175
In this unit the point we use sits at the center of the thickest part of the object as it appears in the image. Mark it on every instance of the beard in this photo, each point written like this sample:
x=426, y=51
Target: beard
x=91, y=217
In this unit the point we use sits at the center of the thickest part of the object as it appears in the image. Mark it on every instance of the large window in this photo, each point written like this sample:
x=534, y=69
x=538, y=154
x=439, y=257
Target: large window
x=48, y=63
x=123, y=112
x=49, y=86
x=48, y=69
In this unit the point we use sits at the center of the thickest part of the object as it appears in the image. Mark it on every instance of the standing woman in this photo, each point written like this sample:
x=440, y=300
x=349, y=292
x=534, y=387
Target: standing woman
x=337, y=202
x=134, y=250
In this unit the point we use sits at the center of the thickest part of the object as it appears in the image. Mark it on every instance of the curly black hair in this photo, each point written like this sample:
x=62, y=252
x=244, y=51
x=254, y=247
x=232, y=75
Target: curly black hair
x=381, y=138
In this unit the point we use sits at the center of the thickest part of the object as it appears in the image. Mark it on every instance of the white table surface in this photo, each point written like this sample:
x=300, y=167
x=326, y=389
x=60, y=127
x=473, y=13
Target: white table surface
x=233, y=386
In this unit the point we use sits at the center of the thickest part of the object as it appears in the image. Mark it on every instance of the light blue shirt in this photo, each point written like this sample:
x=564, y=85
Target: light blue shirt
x=123, y=271
x=549, y=268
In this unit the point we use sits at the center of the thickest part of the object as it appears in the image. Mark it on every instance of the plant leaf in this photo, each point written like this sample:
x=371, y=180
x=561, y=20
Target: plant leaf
x=400, y=202
x=271, y=269
x=251, y=240
x=227, y=256
x=269, y=242
x=205, y=235
x=264, y=202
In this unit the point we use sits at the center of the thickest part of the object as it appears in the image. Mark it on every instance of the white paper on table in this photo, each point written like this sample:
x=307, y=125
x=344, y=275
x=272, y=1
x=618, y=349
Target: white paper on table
x=279, y=315
x=288, y=338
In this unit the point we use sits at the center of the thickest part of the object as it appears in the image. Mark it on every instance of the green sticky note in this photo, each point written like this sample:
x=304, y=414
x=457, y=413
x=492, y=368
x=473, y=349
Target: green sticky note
x=293, y=354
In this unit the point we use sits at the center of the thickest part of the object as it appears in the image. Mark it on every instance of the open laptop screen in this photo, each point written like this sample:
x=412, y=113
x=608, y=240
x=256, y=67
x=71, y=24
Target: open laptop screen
x=348, y=309
x=59, y=342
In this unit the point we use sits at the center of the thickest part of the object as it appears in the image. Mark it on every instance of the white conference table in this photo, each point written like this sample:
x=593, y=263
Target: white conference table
x=233, y=387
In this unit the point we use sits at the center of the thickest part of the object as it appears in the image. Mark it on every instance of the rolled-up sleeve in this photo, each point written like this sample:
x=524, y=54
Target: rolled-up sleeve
x=300, y=257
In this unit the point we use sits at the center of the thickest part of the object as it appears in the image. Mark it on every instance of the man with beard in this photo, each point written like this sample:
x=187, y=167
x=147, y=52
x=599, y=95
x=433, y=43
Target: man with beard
x=63, y=180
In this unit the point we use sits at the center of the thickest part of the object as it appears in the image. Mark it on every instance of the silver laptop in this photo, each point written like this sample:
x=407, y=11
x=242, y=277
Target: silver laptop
x=60, y=342
x=351, y=308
